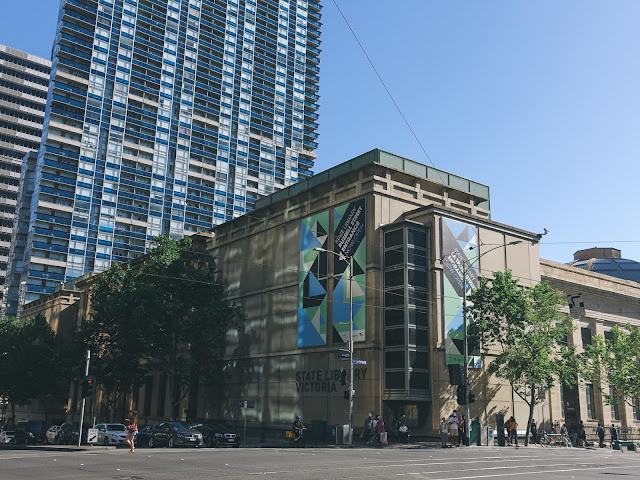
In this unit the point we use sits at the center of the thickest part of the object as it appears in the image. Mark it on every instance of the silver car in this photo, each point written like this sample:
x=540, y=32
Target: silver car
x=7, y=436
x=51, y=434
x=111, y=434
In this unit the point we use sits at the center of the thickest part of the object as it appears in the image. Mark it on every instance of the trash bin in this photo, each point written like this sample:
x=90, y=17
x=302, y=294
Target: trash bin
x=318, y=431
x=500, y=430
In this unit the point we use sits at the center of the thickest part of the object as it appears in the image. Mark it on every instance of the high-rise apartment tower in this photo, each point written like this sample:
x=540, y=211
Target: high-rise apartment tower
x=166, y=117
x=24, y=80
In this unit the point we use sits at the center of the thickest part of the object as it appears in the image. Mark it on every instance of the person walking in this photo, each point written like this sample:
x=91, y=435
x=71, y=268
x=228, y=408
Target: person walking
x=513, y=431
x=507, y=427
x=462, y=425
x=132, y=429
x=402, y=432
x=453, y=429
x=582, y=436
x=600, y=433
x=368, y=428
x=564, y=432
x=374, y=422
x=298, y=432
x=574, y=435
x=444, y=432
x=534, y=432
x=613, y=432
x=380, y=430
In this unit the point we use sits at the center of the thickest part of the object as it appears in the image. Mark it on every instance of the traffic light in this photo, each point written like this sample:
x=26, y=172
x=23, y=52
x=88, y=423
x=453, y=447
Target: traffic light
x=343, y=376
x=460, y=393
x=472, y=397
x=88, y=385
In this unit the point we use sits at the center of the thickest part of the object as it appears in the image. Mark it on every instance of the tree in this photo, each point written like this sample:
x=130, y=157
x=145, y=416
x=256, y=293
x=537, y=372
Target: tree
x=116, y=334
x=525, y=332
x=616, y=362
x=30, y=361
x=168, y=314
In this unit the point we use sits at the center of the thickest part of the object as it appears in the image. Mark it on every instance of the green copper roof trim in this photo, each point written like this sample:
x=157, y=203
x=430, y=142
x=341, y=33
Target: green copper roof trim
x=384, y=158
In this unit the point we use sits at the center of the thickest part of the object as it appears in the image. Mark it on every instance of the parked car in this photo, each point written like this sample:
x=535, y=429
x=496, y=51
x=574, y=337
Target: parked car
x=30, y=431
x=217, y=435
x=174, y=434
x=51, y=434
x=143, y=436
x=111, y=434
x=7, y=436
x=68, y=434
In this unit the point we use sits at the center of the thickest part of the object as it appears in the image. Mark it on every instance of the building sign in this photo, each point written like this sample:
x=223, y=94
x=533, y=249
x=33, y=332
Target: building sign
x=349, y=239
x=324, y=381
x=312, y=298
x=459, y=248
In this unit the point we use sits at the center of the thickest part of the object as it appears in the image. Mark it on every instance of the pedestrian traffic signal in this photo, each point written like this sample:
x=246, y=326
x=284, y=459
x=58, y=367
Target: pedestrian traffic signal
x=88, y=386
x=472, y=397
x=460, y=392
x=343, y=376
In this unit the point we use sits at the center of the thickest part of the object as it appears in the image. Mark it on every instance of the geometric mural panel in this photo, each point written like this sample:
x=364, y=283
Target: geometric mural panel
x=459, y=247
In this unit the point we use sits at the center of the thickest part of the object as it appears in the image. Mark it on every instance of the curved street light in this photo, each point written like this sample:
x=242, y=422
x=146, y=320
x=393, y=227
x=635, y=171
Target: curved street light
x=349, y=260
x=466, y=270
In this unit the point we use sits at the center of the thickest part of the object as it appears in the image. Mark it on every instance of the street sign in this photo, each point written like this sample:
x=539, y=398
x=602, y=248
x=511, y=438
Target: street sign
x=242, y=403
x=344, y=356
x=92, y=435
x=359, y=362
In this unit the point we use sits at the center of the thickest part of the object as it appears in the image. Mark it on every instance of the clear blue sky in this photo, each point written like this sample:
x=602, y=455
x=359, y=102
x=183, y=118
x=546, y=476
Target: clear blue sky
x=539, y=100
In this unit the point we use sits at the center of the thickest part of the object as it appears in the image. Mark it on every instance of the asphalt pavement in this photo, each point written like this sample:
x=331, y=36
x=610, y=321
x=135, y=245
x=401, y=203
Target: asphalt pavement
x=401, y=462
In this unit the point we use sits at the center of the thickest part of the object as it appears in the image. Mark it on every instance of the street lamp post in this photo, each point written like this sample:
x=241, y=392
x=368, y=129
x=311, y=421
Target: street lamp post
x=350, y=347
x=467, y=421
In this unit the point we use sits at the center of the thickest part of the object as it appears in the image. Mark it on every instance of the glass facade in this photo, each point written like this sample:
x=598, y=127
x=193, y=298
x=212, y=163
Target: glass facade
x=167, y=117
x=406, y=326
x=24, y=82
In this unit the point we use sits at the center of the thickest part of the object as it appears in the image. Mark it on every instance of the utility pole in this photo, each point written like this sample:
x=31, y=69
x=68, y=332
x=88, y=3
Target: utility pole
x=350, y=351
x=86, y=374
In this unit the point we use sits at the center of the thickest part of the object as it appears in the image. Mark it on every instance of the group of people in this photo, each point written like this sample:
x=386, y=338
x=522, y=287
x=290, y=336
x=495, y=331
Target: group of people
x=374, y=430
x=452, y=430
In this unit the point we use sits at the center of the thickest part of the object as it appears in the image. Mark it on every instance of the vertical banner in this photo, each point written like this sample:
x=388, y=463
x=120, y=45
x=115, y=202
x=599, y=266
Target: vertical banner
x=349, y=239
x=312, y=298
x=459, y=249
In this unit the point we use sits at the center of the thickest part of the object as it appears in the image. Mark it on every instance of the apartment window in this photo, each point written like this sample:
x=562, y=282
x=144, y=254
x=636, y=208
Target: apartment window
x=591, y=407
x=615, y=413
x=586, y=335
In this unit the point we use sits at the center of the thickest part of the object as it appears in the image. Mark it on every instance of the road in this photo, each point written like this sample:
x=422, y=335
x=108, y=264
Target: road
x=393, y=463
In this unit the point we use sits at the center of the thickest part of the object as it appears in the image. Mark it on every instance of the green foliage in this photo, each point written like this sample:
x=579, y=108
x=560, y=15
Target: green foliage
x=525, y=332
x=168, y=314
x=30, y=357
x=614, y=362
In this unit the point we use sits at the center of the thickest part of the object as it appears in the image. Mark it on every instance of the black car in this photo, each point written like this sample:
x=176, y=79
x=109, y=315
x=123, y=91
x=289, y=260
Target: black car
x=68, y=434
x=30, y=431
x=142, y=438
x=174, y=434
x=217, y=435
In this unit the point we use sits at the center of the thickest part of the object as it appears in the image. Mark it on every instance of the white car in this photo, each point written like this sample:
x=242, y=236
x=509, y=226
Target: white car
x=7, y=436
x=51, y=434
x=111, y=434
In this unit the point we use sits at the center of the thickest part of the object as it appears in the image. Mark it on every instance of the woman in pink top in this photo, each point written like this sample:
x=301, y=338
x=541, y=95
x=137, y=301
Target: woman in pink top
x=132, y=429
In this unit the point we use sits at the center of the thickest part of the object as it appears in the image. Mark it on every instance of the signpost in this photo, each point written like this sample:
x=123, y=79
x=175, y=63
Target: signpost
x=344, y=356
x=92, y=435
x=243, y=404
